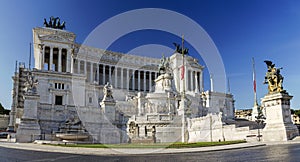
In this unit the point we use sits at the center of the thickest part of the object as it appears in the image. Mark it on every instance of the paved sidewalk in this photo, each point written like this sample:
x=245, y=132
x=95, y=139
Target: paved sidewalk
x=122, y=151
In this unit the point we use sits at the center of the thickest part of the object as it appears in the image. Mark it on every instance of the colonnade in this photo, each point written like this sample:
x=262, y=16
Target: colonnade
x=56, y=59
x=119, y=77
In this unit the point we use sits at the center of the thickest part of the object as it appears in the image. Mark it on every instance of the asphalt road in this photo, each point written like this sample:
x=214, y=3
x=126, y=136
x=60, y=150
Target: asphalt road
x=290, y=152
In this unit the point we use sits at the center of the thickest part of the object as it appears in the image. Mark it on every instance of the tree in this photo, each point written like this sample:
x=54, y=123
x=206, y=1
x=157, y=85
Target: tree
x=292, y=111
x=297, y=112
x=3, y=110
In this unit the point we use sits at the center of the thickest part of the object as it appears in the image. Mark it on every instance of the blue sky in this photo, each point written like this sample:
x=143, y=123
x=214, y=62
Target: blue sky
x=241, y=29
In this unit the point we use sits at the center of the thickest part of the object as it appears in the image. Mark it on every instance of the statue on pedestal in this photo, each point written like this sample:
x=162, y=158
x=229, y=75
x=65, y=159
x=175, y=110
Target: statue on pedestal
x=107, y=90
x=273, y=78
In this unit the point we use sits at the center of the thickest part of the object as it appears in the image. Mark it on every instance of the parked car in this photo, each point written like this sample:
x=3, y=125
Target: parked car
x=3, y=134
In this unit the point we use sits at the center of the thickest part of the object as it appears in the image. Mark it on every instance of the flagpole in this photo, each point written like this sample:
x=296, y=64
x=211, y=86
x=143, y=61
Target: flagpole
x=183, y=66
x=254, y=83
x=182, y=104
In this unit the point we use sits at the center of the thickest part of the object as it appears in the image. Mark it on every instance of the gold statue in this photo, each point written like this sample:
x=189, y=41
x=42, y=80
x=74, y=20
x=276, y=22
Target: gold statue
x=273, y=78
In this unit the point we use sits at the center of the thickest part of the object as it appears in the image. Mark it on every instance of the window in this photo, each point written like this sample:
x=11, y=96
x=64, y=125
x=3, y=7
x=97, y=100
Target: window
x=59, y=86
x=58, y=100
x=90, y=100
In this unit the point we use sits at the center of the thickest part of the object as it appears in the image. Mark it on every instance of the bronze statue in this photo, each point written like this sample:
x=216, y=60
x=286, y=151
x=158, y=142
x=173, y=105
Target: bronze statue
x=179, y=49
x=273, y=78
x=54, y=23
x=164, y=65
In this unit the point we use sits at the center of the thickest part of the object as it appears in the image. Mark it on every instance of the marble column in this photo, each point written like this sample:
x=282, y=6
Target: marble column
x=133, y=80
x=201, y=81
x=59, y=59
x=85, y=64
x=98, y=73
x=122, y=78
x=139, y=80
x=78, y=66
x=72, y=65
x=127, y=79
x=150, y=81
x=196, y=83
x=144, y=81
x=109, y=74
x=91, y=72
x=42, y=55
x=192, y=80
x=69, y=62
x=51, y=59
x=116, y=77
x=103, y=73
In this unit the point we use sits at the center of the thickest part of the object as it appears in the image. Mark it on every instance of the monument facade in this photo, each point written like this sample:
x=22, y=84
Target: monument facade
x=141, y=102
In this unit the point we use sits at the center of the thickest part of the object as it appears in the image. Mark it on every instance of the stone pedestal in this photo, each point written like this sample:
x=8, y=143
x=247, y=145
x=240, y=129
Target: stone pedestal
x=163, y=83
x=279, y=126
x=29, y=128
x=109, y=109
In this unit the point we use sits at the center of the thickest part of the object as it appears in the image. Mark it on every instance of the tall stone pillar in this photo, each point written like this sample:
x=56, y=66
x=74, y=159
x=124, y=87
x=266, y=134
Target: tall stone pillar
x=78, y=66
x=192, y=78
x=116, y=77
x=91, y=72
x=144, y=87
x=40, y=63
x=150, y=81
x=98, y=73
x=103, y=73
x=69, y=62
x=122, y=78
x=109, y=74
x=59, y=59
x=72, y=65
x=196, y=83
x=139, y=80
x=127, y=79
x=279, y=126
x=51, y=59
x=201, y=82
x=85, y=64
x=133, y=80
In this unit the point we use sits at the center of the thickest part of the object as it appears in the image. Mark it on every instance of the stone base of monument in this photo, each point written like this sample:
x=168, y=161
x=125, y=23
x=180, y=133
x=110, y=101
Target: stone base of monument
x=29, y=128
x=28, y=131
x=279, y=126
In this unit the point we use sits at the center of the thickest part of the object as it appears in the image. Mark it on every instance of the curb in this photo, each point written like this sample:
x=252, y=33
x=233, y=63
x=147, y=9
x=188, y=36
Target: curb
x=111, y=152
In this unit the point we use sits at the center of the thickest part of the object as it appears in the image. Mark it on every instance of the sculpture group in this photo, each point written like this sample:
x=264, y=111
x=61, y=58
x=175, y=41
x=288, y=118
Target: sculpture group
x=273, y=78
x=30, y=84
x=54, y=22
x=180, y=50
x=164, y=65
